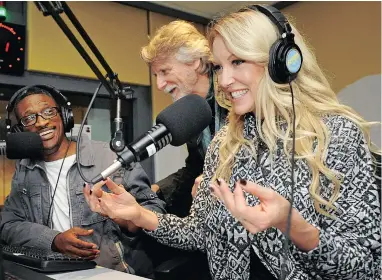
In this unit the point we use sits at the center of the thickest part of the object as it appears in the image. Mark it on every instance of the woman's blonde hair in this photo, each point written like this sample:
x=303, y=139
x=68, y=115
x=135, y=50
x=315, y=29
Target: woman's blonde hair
x=249, y=35
x=179, y=38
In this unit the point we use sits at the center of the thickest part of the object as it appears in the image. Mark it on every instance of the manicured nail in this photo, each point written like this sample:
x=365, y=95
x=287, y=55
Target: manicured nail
x=243, y=182
x=211, y=189
x=218, y=181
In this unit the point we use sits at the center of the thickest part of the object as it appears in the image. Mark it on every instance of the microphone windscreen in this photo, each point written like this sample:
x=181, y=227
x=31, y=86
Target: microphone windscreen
x=21, y=145
x=186, y=118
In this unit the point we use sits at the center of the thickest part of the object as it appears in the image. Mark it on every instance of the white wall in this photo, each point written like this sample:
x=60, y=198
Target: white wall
x=364, y=96
x=169, y=160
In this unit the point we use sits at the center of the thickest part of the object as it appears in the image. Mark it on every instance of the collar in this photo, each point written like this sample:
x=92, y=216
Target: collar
x=86, y=150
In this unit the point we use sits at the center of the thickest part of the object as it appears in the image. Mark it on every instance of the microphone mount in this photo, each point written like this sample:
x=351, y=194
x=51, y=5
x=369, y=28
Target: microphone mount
x=110, y=80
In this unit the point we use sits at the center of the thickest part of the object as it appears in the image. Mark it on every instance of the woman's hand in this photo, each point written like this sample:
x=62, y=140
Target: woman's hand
x=116, y=205
x=271, y=212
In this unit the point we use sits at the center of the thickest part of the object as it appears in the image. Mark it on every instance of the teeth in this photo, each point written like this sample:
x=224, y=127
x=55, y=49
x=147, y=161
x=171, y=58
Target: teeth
x=239, y=93
x=169, y=89
x=46, y=132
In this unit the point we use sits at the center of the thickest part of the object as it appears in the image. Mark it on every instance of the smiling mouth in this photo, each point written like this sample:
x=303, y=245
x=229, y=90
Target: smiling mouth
x=46, y=134
x=238, y=94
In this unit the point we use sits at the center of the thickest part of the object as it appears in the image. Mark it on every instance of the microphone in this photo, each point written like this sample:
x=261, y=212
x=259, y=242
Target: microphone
x=21, y=145
x=175, y=125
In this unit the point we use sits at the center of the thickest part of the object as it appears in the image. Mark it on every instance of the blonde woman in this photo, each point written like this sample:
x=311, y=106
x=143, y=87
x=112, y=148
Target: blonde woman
x=240, y=212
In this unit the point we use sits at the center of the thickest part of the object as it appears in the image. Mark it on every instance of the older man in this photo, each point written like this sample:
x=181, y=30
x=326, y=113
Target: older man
x=179, y=58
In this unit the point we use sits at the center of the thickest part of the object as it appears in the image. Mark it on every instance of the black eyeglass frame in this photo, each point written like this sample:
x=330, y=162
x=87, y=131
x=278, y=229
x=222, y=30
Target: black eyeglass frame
x=57, y=111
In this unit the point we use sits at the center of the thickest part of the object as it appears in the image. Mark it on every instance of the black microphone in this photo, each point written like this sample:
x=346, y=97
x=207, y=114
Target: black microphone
x=21, y=145
x=175, y=125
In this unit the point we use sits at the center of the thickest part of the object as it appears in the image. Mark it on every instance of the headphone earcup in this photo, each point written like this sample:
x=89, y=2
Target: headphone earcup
x=274, y=62
x=17, y=128
x=67, y=118
x=278, y=56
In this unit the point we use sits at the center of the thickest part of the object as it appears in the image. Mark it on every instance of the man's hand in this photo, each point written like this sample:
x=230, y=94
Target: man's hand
x=68, y=243
x=196, y=185
x=155, y=188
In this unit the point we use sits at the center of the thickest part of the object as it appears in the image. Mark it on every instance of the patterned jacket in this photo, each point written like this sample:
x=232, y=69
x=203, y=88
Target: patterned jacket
x=349, y=246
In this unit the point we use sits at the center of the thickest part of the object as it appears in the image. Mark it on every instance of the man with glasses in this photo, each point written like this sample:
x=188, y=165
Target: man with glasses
x=46, y=207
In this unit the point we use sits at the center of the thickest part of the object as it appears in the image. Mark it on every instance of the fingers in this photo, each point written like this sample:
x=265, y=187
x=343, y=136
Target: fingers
x=73, y=250
x=106, y=208
x=222, y=191
x=82, y=231
x=239, y=201
x=97, y=188
x=116, y=189
x=261, y=192
x=91, y=199
x=155, y=188
x=81, y=244
x=198, y=179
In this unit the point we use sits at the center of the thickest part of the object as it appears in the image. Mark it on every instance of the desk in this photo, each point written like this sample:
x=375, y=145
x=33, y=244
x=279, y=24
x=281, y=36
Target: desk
x=98, y=273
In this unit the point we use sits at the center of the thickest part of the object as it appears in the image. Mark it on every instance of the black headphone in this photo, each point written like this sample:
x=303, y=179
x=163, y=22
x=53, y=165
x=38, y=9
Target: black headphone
x=285, y=57
x=63, y=103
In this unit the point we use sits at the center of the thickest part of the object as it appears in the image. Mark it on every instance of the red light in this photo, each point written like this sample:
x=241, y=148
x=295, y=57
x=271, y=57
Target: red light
x=18, y=59
x=21, y=49
x=7, y=47
x=10, y=65
x=18, y=38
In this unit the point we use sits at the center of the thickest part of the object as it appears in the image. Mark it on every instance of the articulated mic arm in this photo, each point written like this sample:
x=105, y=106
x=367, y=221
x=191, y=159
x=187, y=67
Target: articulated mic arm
x=110, y=81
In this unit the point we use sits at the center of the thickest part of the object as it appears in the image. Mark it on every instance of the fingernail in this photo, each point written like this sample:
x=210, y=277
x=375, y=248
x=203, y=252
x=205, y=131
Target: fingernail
x=218, y=181
x=243, y=182
x=99, y=200
x=91, y=191
x=211, y=189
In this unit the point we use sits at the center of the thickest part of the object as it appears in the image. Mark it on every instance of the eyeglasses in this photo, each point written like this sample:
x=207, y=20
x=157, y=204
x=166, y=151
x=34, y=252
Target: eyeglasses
x=46, y=114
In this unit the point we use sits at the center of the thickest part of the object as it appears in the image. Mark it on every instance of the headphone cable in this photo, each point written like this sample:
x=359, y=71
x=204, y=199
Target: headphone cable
x=51, y=209
x=286, y=240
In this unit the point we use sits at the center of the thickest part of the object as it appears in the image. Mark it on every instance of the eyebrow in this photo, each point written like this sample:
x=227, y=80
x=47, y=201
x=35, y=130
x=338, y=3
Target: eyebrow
x=231, y=56
x=29, y=112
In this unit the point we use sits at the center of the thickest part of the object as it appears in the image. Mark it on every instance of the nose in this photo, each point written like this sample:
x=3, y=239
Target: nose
x=161, y=83
x=226, y=78
x=40, y=122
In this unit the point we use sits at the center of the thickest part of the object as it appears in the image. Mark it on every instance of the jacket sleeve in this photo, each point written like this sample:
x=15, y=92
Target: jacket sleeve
x=137, y=183
x=16, y=226
x=349, y=245
x=189, y=233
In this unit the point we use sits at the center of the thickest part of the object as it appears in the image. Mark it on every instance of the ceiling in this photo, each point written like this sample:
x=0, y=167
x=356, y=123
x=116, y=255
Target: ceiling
x=208, y=9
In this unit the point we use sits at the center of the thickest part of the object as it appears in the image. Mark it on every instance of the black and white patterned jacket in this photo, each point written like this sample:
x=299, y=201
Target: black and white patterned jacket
x=349, y=246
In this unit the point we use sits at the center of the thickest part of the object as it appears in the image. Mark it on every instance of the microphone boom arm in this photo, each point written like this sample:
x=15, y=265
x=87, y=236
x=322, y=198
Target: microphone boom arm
x=111, y=82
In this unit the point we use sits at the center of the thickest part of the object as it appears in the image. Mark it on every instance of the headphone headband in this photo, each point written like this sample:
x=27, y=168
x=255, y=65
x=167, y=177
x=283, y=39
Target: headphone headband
x=59, y=98
x=51, y=90
x=285, y=57
x=275, y=16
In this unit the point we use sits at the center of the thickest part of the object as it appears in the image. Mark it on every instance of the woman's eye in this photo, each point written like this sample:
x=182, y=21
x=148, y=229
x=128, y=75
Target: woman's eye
x=237, y=61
